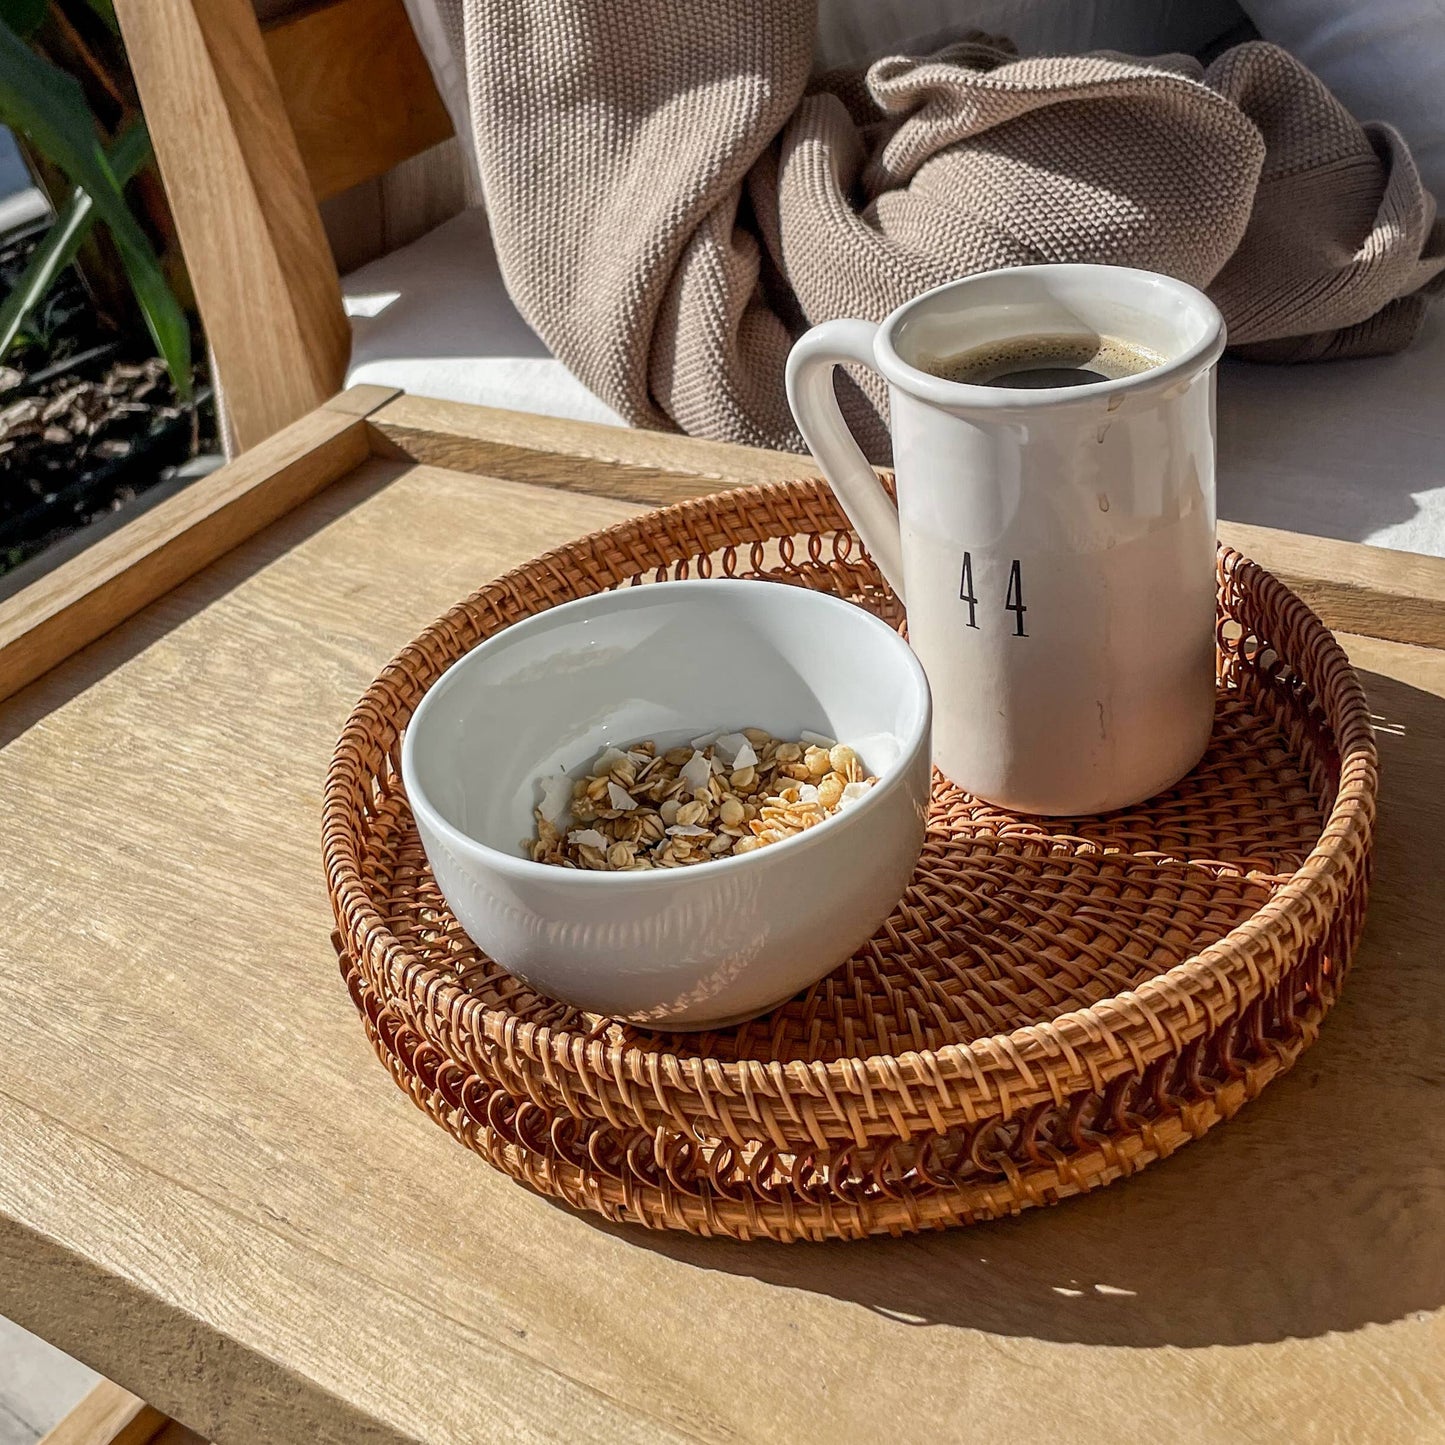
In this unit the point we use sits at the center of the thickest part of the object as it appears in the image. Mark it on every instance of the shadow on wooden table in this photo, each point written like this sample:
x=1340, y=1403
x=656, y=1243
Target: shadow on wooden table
x=1321, y=1207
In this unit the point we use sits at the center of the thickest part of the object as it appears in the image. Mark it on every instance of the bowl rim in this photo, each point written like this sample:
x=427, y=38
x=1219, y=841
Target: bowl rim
x=475, y=850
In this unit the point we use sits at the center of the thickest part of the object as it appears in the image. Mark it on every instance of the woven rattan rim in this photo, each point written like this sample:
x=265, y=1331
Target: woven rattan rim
x=860, y=1097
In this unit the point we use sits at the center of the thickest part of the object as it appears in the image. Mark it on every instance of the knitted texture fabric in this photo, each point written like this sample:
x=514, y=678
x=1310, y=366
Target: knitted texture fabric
x=674, y=198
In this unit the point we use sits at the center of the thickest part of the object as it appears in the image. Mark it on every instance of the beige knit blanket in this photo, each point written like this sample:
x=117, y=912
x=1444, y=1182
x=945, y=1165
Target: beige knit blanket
x=673, y=202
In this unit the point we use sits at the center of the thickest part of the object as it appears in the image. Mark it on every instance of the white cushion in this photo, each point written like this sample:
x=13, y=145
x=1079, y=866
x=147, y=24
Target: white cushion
x=855, y=32
x=435, y=319
x=1352, y=449
x=1385, y=59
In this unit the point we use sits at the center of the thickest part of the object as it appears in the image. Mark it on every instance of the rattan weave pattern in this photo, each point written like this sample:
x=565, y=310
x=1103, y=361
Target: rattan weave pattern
x=1054, y=1004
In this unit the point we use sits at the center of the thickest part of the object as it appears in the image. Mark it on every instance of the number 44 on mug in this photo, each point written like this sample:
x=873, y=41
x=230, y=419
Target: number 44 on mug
x=1013, y=598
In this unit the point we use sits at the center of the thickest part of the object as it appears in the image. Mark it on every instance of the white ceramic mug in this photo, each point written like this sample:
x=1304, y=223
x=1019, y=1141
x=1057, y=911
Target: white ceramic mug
x=1054, y=548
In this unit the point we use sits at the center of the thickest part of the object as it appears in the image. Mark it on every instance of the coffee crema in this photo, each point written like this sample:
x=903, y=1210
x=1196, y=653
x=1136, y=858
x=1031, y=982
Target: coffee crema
x=1038, y=361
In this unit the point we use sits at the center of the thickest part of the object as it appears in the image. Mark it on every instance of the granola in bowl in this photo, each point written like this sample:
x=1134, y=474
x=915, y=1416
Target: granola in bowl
x=719, y=796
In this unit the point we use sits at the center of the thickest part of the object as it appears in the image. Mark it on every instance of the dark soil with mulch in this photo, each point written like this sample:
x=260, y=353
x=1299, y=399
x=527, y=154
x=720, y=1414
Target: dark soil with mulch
x=88, y=420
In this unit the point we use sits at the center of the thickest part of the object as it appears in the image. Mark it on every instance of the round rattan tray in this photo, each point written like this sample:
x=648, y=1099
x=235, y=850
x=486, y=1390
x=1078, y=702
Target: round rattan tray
x=1053, y=1005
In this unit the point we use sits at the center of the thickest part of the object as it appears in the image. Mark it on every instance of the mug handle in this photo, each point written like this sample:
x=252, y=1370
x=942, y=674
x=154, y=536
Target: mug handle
x=820, y=419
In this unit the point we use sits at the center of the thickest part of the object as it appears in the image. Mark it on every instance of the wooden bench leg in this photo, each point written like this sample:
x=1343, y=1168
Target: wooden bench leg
x=109, y=1415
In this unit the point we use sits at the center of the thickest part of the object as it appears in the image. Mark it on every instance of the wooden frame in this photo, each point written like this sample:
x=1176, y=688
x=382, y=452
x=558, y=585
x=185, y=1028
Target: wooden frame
x=1365, y=590
x=249, y=131
x=109, y=1415
x=357, y=91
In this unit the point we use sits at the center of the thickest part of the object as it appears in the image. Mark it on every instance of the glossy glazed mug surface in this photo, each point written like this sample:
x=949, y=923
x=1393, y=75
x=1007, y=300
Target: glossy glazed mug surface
x=1055, y=548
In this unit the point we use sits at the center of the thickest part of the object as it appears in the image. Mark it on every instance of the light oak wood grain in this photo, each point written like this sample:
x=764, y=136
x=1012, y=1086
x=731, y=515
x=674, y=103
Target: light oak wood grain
x=360, y=400
x=641, y=466
x=1399, y=596
x=195, y=1138
x=423, y=192
x=355, y=226
x=377, y=216
x=109, y=1415
x=356, y=89
x=107, y=582
x=255, y=248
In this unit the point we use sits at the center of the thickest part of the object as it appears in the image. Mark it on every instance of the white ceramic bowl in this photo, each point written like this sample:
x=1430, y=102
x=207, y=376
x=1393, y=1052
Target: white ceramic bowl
x=684, y=948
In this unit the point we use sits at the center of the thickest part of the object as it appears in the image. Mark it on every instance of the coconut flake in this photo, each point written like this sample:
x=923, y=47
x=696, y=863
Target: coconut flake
x=817, y=740
x=609, y=759
x=687, y=830
x=588, y=838
x=696, y=772
x=729, y=745
x=718, y=766
x=619, y=797
x=556, y=801
x=853, y=793
x=746, y=757
x=706, y=740
x=808, y=793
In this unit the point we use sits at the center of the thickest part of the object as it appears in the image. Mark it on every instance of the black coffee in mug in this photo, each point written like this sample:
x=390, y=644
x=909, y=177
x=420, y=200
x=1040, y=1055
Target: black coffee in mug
x=1045, y=361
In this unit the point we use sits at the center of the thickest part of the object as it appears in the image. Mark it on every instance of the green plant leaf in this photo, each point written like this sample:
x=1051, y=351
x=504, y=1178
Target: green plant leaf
x=71, y=226
x=167, y=323
x=23, y=16
x=48, y=105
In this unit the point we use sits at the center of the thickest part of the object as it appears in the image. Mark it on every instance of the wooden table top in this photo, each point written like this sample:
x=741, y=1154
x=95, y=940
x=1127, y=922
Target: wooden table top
x=212, y=1192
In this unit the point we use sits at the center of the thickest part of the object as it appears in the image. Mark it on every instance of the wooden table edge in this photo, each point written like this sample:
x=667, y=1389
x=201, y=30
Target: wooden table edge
x=110, y=1414
x=1396, y=596
x=63, y=1303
